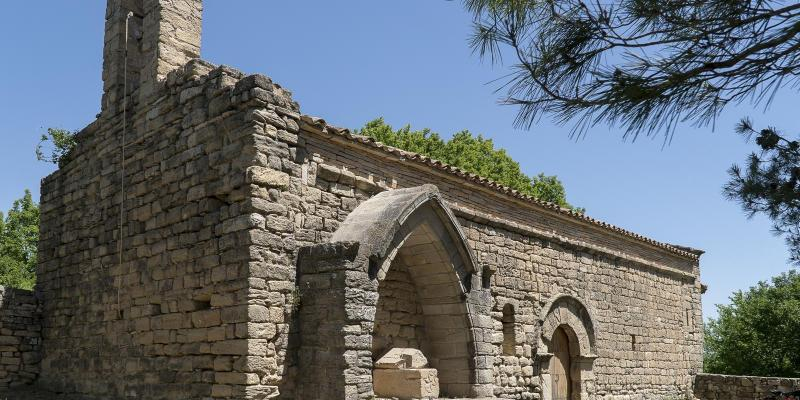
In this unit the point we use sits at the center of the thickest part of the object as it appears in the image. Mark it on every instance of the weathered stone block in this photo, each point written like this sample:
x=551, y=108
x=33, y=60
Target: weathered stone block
x=406, y=383
x=267, y=177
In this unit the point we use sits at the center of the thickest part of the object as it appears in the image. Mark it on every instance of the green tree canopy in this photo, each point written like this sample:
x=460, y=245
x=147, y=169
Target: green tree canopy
x=62, y=142
x=474, y=154
x=759, y=332
x=19, y=236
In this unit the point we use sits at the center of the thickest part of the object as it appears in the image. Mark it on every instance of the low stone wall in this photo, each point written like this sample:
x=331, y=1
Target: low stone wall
x=20, y=337
x=730, y=387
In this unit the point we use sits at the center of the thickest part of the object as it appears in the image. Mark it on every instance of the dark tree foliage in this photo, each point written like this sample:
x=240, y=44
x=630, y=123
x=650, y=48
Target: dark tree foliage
x=770, y=183
x=642, y=64
x=759, y=332
x=475, y=154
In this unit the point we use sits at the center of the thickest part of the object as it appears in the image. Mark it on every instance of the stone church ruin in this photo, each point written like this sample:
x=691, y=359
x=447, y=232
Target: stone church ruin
x=207, y=240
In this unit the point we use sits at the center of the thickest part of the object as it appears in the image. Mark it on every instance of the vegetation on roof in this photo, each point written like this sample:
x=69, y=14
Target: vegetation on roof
x=474, y=154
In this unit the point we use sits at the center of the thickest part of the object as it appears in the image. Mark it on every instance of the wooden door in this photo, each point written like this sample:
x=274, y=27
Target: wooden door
x=560, y=366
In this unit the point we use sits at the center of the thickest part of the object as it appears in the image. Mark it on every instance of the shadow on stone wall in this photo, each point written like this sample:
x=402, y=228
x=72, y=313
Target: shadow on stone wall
x=20, y=337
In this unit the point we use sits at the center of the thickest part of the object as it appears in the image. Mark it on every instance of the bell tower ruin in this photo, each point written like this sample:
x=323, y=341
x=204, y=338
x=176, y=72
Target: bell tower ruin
x=159, y=36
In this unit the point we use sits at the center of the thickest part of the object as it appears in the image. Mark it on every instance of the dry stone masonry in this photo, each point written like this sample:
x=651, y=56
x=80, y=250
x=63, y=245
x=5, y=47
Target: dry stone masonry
x=243, y=250
x=728, y=387
x=20, y=337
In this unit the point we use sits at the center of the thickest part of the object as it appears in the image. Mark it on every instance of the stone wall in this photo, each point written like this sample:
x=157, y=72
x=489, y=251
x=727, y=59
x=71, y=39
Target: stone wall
x=175, y=318
x=649, y=338
x=647, y=299
x=226, y=181
x=20, y=337
x=731, y=387
x=398, y=317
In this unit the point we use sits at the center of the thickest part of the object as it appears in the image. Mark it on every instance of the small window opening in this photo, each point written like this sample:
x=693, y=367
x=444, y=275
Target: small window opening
x=202, y=305
x=486, y=278
x=509, y=334
x=633, y=342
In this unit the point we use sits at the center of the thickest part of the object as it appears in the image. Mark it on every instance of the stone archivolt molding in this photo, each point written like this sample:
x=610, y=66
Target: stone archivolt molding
x=569, y=312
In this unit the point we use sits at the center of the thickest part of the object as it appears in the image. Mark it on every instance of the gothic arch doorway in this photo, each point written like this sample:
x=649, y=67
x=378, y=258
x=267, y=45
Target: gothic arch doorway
x=421, y=303
x=398, y=273
x=424, y=269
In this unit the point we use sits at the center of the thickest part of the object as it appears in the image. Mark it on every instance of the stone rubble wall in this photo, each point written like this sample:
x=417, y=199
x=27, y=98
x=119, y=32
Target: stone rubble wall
x=176, y=318
x=399, y=318
x=733, y=387
x=20, y=337
x=351, y=169
x=628, y=300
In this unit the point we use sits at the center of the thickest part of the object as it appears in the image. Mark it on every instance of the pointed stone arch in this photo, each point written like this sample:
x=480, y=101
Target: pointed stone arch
x=384, y=223
x=568, y=315
x=408, y=232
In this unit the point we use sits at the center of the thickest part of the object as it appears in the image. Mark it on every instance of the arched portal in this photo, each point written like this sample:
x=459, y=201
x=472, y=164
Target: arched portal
x=421, y=305
x=566, y=350
x=424, y=269
x=408, y=286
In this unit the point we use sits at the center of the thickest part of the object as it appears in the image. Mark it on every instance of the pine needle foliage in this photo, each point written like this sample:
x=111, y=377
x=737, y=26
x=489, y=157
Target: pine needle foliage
x=769, y=183
x=474, y=154
x=645, y=65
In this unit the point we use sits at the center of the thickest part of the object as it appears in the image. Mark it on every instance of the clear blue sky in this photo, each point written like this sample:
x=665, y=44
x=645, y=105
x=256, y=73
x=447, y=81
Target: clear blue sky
x=408, y=61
